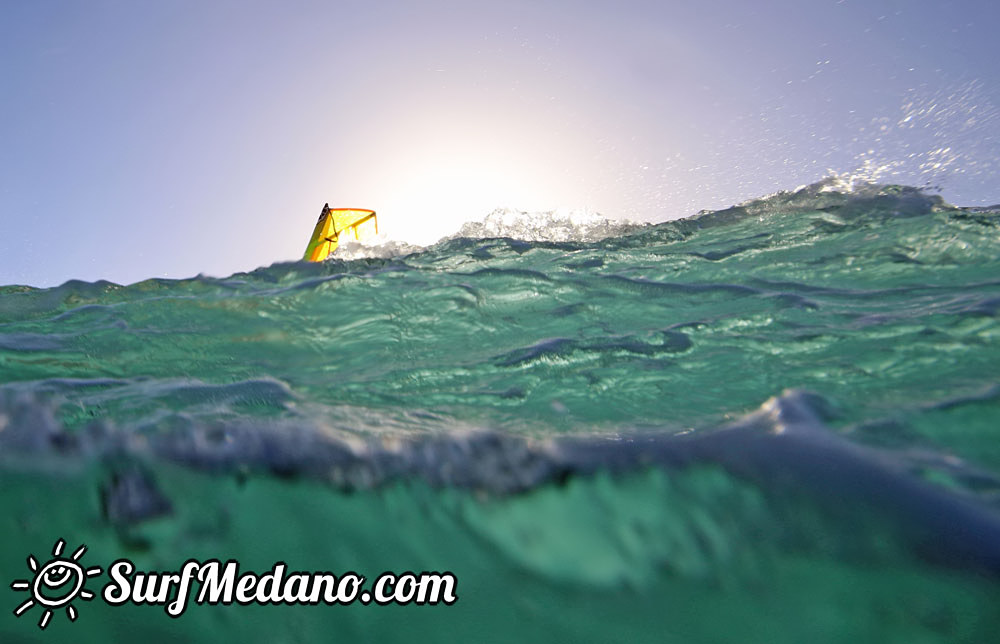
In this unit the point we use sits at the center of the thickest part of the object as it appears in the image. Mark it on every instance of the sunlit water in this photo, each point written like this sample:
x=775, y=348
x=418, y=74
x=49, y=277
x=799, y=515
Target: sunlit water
x=773, y=423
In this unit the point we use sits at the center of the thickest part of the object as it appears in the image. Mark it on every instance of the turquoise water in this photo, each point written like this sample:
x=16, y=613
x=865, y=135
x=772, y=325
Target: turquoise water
x=772, y=423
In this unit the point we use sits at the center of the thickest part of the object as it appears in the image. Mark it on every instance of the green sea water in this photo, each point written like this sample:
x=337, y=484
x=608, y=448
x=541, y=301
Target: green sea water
x=778, y=422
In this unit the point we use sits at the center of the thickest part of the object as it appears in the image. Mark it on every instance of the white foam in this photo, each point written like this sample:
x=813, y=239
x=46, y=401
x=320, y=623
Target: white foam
x=378, y=247
x=558, y=225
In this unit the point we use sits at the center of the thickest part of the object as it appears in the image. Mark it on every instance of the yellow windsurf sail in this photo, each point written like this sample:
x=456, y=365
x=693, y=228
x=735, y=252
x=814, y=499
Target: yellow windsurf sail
x=354, y=223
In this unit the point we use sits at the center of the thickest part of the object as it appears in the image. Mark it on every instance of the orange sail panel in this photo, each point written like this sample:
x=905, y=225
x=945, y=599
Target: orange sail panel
x=353, y=223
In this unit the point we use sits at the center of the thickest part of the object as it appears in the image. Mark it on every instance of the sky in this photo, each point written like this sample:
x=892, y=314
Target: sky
x=172, y=138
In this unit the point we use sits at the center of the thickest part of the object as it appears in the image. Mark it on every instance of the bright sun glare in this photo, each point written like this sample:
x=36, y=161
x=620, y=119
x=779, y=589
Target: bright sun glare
x=434, y=198
x=449, y=168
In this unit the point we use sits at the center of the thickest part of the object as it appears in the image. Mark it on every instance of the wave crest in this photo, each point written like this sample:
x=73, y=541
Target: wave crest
x=378, y=247
x=560, y=225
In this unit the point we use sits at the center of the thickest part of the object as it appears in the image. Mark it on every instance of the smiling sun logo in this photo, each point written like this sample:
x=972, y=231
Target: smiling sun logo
x=56, y=584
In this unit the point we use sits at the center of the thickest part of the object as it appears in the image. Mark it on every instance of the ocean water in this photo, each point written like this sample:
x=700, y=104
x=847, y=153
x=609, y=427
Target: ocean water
x=778, y=422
